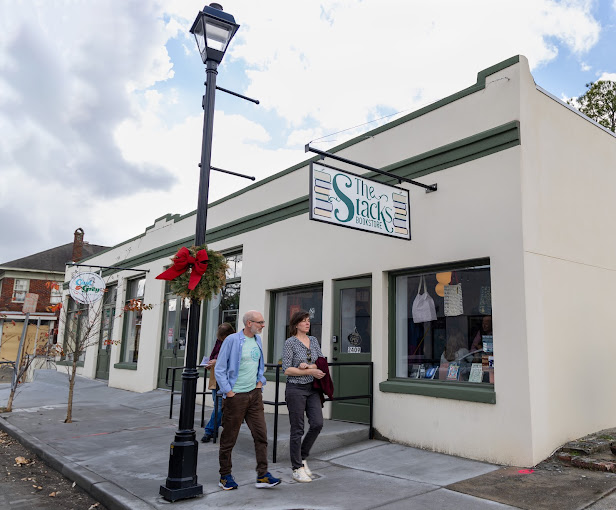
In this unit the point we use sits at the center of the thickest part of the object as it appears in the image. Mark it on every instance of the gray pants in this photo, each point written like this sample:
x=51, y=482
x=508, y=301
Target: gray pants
x=303, y=398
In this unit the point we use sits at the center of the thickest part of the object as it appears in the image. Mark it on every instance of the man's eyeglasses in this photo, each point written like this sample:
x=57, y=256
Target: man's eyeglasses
x=308, y=356
x=259, y=322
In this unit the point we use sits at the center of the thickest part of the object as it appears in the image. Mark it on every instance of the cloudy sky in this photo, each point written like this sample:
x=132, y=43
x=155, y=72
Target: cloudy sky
x=100, y=100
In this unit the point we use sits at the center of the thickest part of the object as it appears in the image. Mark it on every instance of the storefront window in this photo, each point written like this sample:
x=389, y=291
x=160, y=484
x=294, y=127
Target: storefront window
x=224, y=307
x=443, y=325
x=132, y=320
x=286, y=303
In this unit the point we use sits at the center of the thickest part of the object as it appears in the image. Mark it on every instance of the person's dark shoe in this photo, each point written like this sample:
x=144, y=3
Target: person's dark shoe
x=266, y=481
x=227, y=483
x=206, y=438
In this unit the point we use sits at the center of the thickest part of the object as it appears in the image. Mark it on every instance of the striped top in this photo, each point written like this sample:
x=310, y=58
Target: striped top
x=294, y=353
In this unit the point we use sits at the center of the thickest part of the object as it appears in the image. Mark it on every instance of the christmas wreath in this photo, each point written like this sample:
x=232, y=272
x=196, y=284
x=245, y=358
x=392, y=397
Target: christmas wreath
x=197, y=272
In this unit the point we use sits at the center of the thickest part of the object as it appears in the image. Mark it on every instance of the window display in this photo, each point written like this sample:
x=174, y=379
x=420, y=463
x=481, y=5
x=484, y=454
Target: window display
x=443, y=327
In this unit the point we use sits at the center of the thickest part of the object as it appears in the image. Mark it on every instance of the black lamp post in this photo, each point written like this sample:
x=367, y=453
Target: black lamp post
x=213, y=29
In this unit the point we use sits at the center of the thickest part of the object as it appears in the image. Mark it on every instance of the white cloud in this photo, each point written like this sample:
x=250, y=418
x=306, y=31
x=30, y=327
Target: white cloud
x=585, y=67
x=607, y=77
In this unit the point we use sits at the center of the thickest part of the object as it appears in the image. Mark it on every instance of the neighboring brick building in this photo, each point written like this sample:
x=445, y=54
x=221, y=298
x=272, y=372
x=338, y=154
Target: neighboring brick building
x=34, y=274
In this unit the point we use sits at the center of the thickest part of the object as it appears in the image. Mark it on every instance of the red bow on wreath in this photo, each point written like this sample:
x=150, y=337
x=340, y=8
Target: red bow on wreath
x=181, y=262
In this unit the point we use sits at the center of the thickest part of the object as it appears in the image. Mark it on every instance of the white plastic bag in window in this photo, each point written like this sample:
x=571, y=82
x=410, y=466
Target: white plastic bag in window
x=423, y=305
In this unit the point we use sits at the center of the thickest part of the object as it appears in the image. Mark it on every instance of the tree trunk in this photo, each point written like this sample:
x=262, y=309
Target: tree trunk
x=71, y=385
x=9, y=405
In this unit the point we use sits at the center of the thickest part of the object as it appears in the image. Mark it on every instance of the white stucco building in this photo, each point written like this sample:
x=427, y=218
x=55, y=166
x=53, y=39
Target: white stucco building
x=520, y=221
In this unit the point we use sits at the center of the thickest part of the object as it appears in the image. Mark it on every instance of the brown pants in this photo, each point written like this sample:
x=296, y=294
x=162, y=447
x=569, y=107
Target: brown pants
x=236, y=409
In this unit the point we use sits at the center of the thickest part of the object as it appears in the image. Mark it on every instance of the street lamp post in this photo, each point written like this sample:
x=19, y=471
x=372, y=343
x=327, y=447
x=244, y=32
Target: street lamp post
x=213, y=30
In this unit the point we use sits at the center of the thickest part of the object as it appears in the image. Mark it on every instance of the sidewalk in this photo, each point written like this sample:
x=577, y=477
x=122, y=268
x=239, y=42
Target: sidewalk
x=117, y=449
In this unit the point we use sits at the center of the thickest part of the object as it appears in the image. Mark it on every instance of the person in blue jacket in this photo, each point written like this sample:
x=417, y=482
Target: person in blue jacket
x=239, y=374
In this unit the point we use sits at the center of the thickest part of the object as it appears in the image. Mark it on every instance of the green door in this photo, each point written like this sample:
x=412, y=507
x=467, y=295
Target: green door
x=173, y=339
x=105, y=340
x=353, y=343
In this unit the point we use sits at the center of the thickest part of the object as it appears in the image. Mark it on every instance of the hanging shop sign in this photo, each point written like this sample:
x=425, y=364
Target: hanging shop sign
x=350, y=200
x=86, y=288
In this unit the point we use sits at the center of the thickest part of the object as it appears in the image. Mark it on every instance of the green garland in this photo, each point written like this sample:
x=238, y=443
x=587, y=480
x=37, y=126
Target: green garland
x=212, y=281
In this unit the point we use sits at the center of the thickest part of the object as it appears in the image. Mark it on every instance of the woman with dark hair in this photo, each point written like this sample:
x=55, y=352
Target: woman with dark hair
x=298, y=364
x=224, y=330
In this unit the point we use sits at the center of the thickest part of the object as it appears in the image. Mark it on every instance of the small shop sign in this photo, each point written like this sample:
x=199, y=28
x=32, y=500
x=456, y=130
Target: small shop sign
x=30, y=303
x=351, y=200
x=86, y=288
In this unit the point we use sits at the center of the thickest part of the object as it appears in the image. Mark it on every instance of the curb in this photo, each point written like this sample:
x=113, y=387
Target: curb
x=108, y=493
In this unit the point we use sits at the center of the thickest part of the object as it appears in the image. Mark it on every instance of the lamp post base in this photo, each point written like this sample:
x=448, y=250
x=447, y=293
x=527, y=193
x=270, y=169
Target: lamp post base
x=182, y=464
x=177, y=494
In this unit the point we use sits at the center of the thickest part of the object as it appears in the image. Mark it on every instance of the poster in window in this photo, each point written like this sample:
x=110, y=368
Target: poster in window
x=453, y=300
x=485, y=300
x=452, y=373
x=476, y=374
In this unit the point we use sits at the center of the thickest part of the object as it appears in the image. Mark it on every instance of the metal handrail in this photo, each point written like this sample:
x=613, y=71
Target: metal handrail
x=276, y=403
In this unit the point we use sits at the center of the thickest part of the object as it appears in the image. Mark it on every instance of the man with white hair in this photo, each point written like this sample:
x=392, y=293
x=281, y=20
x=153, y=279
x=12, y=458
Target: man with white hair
x=239, y=373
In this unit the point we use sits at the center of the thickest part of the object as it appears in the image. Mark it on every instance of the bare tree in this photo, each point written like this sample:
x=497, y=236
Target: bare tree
x=81, y=329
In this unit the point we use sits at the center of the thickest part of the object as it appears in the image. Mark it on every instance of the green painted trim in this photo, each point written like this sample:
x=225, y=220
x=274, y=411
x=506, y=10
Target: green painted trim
x=437, y=268
x=478, y=86
x=125, y=366
x=441, y=389
x=68, y=363
x=166, y=250
x=459, y=152
x=456, y=153
x=391, y=325
x=270, y=332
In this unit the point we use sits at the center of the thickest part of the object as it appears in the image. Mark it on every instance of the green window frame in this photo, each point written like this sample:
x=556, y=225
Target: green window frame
x=271, y=340
x=134, y=290
x=108, y=312
x=458, y=390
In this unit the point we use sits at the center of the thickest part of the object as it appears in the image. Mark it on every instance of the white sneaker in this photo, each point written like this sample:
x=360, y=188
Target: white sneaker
x=307, y=469
x=299, y=475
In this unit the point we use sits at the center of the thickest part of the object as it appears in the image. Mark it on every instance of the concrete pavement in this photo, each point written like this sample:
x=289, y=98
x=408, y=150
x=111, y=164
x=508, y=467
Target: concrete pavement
x=117, y=449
